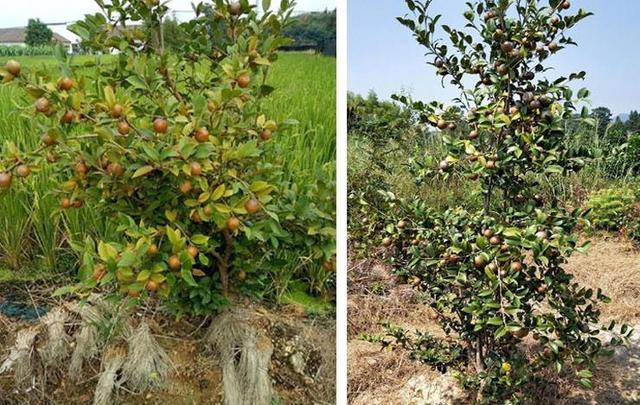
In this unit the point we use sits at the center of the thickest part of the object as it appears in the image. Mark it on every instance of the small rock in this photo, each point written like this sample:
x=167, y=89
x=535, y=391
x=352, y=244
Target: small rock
x=297, y=363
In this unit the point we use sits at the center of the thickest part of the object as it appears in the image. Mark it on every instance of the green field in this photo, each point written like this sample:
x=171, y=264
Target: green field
x=32, y=239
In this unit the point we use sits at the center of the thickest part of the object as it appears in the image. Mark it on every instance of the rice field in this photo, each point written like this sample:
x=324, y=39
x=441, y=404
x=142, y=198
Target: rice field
x=31, y=239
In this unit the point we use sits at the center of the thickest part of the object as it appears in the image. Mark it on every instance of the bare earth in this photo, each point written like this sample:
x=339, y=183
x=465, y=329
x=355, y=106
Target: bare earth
x=379, y=377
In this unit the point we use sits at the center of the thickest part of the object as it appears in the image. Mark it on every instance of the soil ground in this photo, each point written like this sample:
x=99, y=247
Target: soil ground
x=195, y=376
x=381, y=377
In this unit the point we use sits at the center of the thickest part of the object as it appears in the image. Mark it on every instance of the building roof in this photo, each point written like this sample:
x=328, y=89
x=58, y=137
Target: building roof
x=17, y=36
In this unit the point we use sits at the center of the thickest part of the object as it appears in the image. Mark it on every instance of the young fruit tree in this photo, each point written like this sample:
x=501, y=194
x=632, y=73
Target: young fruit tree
x=172, y=143
x=495, y=274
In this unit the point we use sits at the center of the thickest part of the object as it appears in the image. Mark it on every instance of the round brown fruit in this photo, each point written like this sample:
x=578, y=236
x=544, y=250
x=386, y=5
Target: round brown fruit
x=99, y=272
x=152, y=286
x=243, y=81
x=402, y=224
x=235, y=8
x=78, y=204
x=507, y=46
x=442, y=124
x=160, y=125
x=196, y=169
x=521, y=333
x=473, y=134
x=479, y=262
x=495, y=240
x=13, y=67
x=202, y=135
x=186, y=187
x=123, y=128
x=542, y=289
x=65, y=203
x=265, y=135
x=328, y=265
x=66, y=84
x=516, y=266
x=487, y=233
x=174, y=263
x=491, y=164
x=115, y=169
x=5, y=180
x=117, y=111
x=553, y=46
x=81, y=169
x=252, y=206
x=566, y=4
x=193, y=251
x=233, y=224
x=23, y=170
x=542, y=235
x=133, y=293
x=386, y=241
x=48, y=140
x=67, y=117
x=42, y=105
x=242, y=275
x=443, y=165
x=153, y=250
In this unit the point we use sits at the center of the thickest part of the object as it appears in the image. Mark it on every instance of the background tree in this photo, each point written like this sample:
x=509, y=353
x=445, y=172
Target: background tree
x=602, y=115
x=38, y=33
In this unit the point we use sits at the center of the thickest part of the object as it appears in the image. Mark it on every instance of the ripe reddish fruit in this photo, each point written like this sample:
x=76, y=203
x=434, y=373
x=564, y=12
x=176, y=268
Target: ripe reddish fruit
x=81, y=169
x=115, y=169
x=196, y=169
x=193, y=251
x=67, y=117
x=78, y=204
x=566, y=4
x=186, y=187
x=507, y=46
x=233, y=224
x=243, y=81
x=494, y=240
x=13, y=67
x=65, y=203
x=473, y=134
x=123, y=127
x=402, y=224
x=23, y=170
x=442, y=124
x=487, y=233
x=66, y=84
x=195, y=217
x=202, y=135
x=265, y=135
x=386, y=241
x=491, y=164
x=516, y=266
x=48, y=140
x=153, y=250
x=116, y=111
x=252, y=206
x=5, y=180
x=160, y=125
x=42, y=105
x=542, y=288
x=152, y=286
x=174, y=263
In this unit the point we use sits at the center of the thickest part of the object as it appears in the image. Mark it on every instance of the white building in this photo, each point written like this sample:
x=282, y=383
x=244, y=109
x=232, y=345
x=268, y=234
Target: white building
x=16, y=37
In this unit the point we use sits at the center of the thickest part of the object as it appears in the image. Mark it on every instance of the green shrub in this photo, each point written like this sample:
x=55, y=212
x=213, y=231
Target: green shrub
x=611, y=208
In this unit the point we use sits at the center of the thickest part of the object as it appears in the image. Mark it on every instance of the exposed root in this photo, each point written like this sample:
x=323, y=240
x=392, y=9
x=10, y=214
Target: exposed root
x=56, y=348
x=112, y=363
x=147, y=363
x=86, y=339
x=20, y=359
x=245, y=357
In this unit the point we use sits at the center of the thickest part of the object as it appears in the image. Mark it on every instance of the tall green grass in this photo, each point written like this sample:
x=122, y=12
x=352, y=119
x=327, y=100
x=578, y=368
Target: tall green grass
x=31, y=237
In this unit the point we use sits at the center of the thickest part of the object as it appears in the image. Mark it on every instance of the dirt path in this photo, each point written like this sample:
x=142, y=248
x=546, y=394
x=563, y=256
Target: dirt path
x=377, y=377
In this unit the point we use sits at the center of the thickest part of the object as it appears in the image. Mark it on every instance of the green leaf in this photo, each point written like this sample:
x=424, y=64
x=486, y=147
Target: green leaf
x=127, y=260
x=106, y=251
x=143, y=171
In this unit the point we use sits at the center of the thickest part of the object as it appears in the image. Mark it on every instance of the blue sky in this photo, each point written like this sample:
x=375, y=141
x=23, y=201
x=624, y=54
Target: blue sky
x=384, y=57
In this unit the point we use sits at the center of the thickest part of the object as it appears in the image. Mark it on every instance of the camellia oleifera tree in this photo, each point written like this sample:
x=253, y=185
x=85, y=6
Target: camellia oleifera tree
x=172, y=143
x=495, y=276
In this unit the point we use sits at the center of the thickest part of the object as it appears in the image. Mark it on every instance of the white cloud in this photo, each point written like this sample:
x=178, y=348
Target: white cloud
x=56, y=11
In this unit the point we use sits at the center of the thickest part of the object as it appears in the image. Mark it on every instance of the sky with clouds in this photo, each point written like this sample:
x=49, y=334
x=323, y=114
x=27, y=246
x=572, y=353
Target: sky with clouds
x=53, y=11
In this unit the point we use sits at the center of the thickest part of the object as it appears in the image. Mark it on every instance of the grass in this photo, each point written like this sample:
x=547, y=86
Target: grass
x=31, y=238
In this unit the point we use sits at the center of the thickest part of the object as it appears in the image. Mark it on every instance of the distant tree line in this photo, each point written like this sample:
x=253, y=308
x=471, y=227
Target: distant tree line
x=317, y=30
